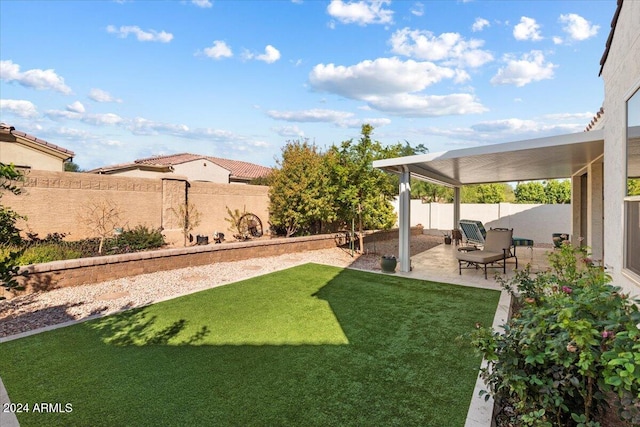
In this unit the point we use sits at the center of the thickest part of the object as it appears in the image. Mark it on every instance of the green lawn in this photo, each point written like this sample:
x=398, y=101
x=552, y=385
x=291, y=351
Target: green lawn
x=308, y=346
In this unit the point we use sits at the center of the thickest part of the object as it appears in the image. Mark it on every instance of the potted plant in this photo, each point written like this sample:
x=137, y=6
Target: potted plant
x=447, y=238
x=388, y=263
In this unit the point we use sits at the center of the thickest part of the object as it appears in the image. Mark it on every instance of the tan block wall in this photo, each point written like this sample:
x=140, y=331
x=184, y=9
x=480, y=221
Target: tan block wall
x=212, y=201
x=55, y=201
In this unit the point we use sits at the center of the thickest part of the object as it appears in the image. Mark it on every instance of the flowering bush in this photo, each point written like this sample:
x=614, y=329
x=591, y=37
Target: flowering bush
x=574, y=339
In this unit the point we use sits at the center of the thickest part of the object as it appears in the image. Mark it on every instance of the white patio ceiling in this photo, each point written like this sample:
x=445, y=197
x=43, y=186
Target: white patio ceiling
x=542, y=158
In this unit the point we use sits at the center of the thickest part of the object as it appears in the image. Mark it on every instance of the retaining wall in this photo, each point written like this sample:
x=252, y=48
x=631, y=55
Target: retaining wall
x=57, y=274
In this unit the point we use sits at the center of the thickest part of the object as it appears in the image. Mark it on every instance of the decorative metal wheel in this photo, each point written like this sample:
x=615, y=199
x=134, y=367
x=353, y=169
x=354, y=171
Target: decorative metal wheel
x=249, y=225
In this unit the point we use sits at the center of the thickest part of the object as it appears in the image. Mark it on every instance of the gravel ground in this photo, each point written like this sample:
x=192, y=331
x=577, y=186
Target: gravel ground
x=37, y=310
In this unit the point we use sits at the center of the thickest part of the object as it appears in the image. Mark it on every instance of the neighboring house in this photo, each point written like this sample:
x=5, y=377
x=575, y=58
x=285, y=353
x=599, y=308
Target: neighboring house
x=194, y=167
x=599, y=162
x=28, y=152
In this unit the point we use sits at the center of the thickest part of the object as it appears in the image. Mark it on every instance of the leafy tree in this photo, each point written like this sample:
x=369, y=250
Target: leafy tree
x=484, y=193
x=558, y=191
x=530, y=192
x=72, y=167
x=431, y=193
x=633, y=187
x=363, y=193
x=301, y=197
x=9, y=233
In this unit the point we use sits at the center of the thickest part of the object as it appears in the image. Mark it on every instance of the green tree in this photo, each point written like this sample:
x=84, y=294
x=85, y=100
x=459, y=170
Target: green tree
x=530, y=192
x=9, y=233
x=558, y=191
x=484, y=193
x=72, y=167
x=633, y=187
x=300, y=193
x=431, y=193
x=363, y=193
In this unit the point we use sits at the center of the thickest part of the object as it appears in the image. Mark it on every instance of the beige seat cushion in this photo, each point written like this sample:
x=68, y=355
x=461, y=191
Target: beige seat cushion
x=481, y=257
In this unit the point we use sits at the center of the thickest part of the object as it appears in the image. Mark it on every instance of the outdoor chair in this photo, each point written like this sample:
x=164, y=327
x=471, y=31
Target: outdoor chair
x=496, y=251
x=475, y=233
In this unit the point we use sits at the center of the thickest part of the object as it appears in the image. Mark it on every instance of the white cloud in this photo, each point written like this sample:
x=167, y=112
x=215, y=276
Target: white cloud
x=412, y=105
x=76, y=107
x=106, y=119
x=99, y=95
x=18, y=107
x=142, y=36
x=202, y=3
x=218, y=50
x=270, y=55
x=379, y=77
x=289, y=131
x=577, y=27
x=357, y=123
x=557, y=40
x=417, y=9
x=527, y=29
x=480, y=24
x=34, y=78
x=361, y=12
x=529, y=68
x=449, y=47
x=570, y=116
x=313, y=115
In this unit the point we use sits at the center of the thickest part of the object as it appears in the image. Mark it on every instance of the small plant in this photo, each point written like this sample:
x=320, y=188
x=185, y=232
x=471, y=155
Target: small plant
x=188, y=218
x=100, y=218
x=234, y=222
x=574, y=339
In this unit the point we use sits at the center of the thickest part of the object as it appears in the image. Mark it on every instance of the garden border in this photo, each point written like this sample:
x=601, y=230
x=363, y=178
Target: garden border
x=75, y=272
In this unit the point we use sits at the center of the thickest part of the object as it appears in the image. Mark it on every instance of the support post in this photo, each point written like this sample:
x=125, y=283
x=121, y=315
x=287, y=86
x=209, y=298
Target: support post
x=404, y=220
x=456, y=207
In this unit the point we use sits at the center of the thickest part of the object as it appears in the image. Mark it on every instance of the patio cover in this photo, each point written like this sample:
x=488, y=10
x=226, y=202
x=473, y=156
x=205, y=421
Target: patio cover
x=543, y=158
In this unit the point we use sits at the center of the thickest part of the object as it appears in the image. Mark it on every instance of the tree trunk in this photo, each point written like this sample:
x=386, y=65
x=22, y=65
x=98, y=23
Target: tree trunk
x=360, y=233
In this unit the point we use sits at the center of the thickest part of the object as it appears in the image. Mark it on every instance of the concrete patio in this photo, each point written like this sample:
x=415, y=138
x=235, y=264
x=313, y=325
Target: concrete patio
x=440, y=264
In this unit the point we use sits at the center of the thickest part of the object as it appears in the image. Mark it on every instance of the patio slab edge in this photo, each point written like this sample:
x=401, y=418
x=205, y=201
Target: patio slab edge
x=481, y=411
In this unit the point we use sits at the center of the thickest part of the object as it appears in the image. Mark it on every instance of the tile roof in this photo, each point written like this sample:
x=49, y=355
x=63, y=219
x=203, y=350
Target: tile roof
x=596, y=122
x=614, y=22
x=238, y=169
x=10, y=130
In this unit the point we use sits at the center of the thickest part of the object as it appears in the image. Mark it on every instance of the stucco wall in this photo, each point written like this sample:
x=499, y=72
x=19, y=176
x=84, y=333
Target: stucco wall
x=621, y=74
x=533, y=221
x=20, y=155
x=56, y=201
x=202, y=170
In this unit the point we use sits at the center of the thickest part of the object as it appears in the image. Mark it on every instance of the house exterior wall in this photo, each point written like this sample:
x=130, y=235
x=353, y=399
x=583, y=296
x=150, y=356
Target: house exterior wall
x=621, y=75
x=137, y=173
x=21, y=155
x=57, y=201
x=202, y=170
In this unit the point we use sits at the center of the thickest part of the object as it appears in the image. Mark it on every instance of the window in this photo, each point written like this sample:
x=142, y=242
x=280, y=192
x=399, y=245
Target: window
x=632, y=199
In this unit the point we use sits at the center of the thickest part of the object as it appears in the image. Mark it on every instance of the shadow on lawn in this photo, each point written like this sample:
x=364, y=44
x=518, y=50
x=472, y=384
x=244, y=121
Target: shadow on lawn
x=137, y=327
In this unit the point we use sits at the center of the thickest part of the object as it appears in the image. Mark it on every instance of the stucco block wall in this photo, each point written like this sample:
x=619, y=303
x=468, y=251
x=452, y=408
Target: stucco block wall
x=212, y=200
x=621, y=74
x=56, y=201
x=20, y=155
x=533, y=221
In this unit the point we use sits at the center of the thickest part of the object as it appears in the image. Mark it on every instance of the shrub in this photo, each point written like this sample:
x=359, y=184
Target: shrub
x=574, y=339
x=138, y=239
x=47, y=252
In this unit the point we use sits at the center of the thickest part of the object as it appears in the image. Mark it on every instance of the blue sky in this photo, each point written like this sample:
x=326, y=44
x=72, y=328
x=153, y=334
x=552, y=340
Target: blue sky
x=116, y=81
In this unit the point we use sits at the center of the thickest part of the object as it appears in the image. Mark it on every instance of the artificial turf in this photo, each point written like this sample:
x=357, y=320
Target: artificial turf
x=307, y=346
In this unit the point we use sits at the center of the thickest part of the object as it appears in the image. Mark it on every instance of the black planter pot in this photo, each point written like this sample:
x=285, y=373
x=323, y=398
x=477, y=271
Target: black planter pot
x=388, y=264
